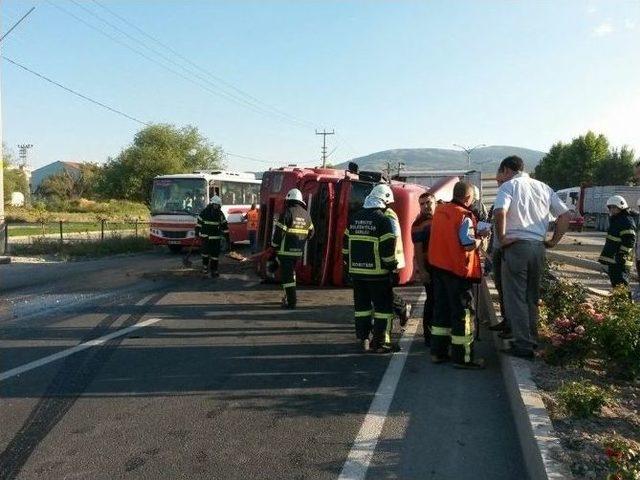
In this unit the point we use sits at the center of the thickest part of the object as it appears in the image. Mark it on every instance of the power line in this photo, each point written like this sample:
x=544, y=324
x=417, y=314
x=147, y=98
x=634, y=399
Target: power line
x=17, y=23
x=229, y=96
x=223, y=94
x=195, y=65
x=77, y=94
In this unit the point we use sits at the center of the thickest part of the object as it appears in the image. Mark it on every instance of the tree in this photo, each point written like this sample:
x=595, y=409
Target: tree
x=71, y=185
x=156, y=150
x=15, y=180
x=617, y=168
x=587, y=160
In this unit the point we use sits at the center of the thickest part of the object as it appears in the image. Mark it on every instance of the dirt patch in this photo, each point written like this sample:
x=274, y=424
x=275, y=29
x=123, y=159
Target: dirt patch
x=584, y=439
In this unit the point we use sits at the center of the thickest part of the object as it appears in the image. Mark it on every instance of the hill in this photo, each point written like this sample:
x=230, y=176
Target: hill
x=486, y=159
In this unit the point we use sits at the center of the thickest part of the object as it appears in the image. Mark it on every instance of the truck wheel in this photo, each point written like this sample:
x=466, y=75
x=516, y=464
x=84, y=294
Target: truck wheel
x=175, y=248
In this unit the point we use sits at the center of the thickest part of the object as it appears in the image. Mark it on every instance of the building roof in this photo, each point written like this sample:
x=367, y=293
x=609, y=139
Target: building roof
x=72, y=164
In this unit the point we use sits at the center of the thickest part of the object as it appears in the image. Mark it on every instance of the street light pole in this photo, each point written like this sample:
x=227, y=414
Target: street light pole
x=468, y=151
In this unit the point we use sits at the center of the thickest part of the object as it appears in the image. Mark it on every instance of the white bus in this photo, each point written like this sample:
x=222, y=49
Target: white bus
x=176, y=200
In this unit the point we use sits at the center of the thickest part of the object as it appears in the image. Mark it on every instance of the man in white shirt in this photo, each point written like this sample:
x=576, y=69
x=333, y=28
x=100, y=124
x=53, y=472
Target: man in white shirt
x=522, y=211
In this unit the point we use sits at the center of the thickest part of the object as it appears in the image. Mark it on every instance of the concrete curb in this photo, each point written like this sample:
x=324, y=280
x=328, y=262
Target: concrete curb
x=540, y=446
x=575, y=261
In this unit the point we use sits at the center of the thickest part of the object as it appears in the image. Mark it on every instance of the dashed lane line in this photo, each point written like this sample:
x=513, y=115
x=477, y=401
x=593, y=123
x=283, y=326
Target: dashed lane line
x=364, y=446
x=78, y=348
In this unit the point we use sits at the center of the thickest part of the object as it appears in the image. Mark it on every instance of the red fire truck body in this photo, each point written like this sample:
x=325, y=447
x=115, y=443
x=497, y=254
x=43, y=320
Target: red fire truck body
x=332, y=197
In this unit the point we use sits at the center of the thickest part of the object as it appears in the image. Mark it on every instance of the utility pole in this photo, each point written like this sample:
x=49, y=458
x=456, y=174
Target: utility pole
x=23, y=150
x=400, y=166
x=3, y=226
x=324, y=134
x=468, y=151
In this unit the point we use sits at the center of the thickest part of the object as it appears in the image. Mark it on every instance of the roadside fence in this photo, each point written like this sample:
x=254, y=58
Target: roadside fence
x=20, y=233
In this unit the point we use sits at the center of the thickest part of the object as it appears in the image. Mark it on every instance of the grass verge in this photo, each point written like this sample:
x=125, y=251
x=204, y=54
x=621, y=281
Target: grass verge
x=83, y=248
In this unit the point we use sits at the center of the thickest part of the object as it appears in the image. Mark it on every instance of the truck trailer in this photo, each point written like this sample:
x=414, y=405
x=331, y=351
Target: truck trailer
x=593, y=203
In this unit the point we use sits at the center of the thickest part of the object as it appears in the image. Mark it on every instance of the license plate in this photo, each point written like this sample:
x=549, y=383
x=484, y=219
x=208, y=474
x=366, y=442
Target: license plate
x=174, y=242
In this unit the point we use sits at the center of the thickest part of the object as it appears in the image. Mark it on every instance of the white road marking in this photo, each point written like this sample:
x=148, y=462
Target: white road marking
x=364, y=446
x=78, y=348
x=144, y=300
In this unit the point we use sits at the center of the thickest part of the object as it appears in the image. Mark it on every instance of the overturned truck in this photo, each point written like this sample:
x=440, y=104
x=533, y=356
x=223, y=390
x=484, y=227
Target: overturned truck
x=332, y=197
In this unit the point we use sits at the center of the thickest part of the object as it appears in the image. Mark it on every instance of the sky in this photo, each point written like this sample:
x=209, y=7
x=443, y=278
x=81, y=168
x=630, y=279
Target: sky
x=259, y=77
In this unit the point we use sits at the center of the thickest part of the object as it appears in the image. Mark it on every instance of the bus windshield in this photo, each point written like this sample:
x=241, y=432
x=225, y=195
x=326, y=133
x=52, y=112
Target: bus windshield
x=178, y=196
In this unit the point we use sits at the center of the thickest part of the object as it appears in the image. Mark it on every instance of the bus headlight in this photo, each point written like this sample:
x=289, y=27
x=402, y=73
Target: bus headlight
x=156, y=232
x=191, y=233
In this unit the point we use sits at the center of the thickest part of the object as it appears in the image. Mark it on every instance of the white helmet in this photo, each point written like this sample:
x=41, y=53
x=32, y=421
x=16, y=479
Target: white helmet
x=617, y=201
x=294, y=194
x=476, y=193
x=215, y=200
x=382, y=192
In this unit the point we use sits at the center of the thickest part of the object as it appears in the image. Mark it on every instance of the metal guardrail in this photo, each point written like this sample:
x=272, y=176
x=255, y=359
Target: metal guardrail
x=69, y=231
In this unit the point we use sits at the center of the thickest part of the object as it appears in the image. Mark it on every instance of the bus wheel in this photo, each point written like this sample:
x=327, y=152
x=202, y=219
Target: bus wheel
x=175, y=248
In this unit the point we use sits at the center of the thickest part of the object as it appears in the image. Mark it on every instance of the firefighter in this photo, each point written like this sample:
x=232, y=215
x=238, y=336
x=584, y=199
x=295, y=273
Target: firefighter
x=455, y=262
x=212, y=227
x=369, y=255
x=291, y=232
x=252, y=217
x=617, y=253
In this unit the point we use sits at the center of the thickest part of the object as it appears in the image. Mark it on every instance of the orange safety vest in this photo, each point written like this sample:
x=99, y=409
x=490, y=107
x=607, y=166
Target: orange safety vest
x=445, y=251
x=253, y=219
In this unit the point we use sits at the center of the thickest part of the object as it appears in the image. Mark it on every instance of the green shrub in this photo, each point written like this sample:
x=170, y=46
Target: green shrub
x=582, y=399
x=618, y=335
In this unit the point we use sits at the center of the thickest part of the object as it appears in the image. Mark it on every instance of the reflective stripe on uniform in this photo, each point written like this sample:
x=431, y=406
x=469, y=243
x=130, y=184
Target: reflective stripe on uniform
x=467, y=339
x=386, y=236
x=204, y=235
x=613, y=238
x=345, y=251
x=298, y=231
x=282, y=226
x=204, y=255
x=363, y=313
x=384, y=316
x=206, y=222
x=289, y=254
x=389, y=259
x=288, y=285
x=377, y=270
x=625, y=249
x=626, y=232
x=606, y=259
x=441, y=331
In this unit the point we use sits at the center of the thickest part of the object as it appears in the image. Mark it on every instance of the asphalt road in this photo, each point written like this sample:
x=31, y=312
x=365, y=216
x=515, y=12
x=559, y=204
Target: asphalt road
x=224, y=384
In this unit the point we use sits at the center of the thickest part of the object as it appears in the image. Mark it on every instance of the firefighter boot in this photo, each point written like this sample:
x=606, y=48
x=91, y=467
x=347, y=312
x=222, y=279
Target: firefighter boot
x=289, y=299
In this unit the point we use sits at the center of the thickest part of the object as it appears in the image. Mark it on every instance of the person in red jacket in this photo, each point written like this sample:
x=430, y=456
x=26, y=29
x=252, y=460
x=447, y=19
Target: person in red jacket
x=455, y=267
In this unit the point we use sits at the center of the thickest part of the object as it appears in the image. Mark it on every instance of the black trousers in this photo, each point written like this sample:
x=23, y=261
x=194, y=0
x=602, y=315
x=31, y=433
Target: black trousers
x=427, y=313
x=452, y=317
x=288, y=277
x=618, y=275
x=373, y=299
x=210, y=252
